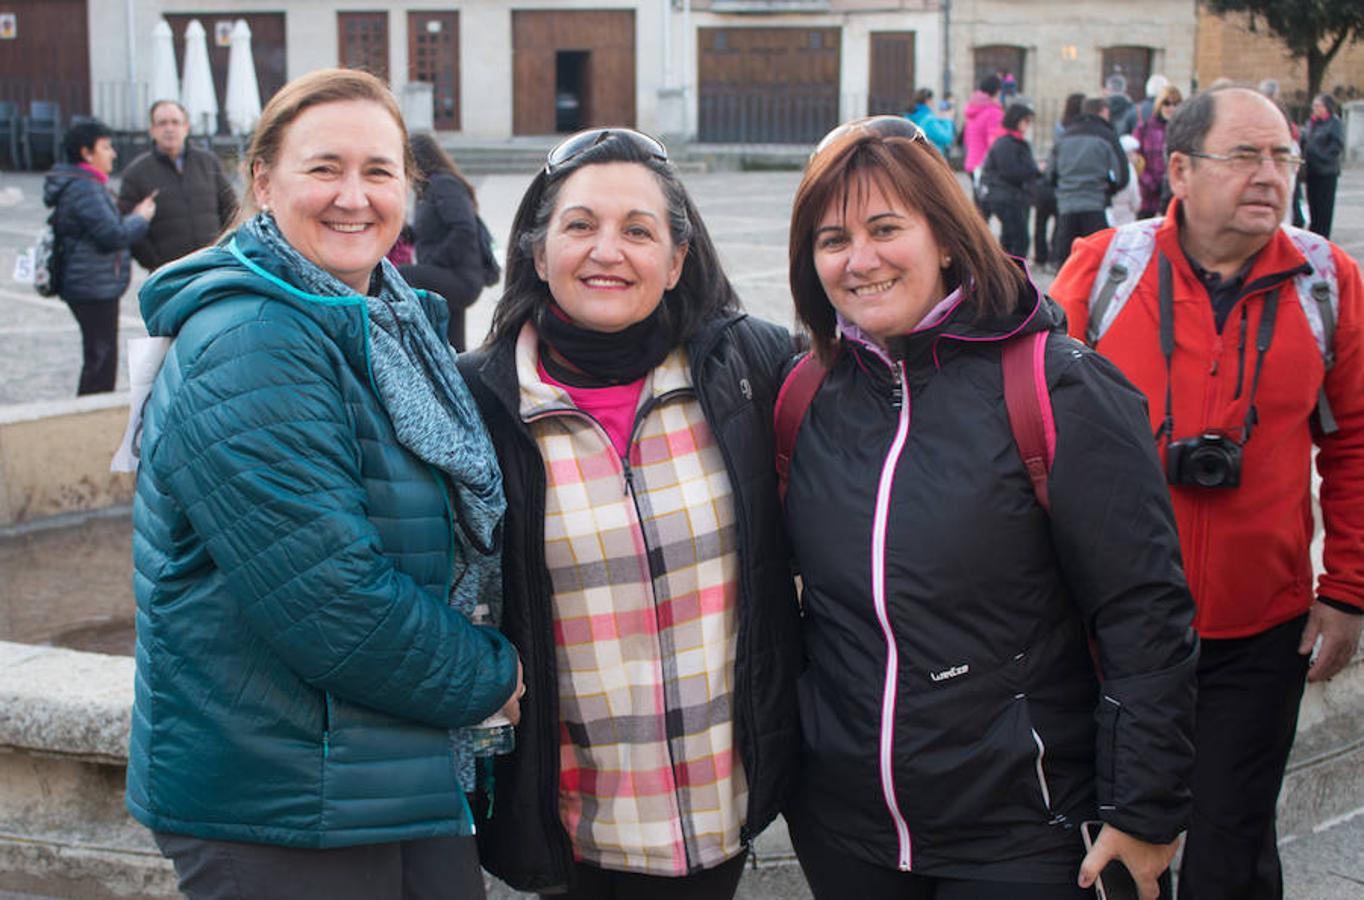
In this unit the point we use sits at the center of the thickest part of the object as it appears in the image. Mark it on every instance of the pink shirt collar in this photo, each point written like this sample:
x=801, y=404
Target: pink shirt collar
x=103, y=178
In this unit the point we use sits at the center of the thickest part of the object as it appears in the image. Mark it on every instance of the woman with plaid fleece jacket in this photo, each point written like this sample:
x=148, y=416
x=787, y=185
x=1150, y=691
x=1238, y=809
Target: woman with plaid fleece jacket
x=647, y=586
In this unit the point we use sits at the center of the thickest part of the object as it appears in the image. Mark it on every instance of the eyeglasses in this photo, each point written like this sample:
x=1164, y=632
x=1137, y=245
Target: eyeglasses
x=881, y=126
x=575, y=145
x=1244, y=162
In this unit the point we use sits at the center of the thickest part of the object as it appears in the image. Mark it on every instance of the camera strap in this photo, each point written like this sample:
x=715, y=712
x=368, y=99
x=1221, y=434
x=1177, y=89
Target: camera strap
x=1263, y=337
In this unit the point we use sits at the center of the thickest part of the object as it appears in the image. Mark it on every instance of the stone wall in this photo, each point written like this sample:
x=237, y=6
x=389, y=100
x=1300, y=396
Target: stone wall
x=1227, y=48
x=54, y=458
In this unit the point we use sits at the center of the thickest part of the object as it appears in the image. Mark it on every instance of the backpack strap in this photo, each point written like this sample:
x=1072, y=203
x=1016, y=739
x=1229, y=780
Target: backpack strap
x=1319, y=295
x=1029, y=405
x=1127, y=255
x=793, y=399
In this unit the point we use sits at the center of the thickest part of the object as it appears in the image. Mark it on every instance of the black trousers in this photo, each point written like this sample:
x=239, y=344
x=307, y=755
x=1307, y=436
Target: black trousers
x=1070, y=226
x=1044, y=211
x=1321, y=202
x=593, y=883
x=99, y=345
x=1249, y=690
x=833, y=875
x=1013, y=227
x=433, y=869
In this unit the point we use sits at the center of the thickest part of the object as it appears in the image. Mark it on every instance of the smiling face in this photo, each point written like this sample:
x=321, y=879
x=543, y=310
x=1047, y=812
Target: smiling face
x=878, y=261
x=101, y=156
x=608, y=255
x=1222, y=204
x=337, y=188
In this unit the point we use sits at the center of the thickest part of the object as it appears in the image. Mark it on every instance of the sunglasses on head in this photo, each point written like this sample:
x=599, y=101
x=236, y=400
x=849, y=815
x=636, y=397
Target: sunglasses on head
x=881, y=126
x=575, y=145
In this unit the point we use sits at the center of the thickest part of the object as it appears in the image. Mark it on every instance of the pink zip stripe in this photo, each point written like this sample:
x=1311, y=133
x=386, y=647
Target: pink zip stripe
x=1039, y=380
x=878, y=593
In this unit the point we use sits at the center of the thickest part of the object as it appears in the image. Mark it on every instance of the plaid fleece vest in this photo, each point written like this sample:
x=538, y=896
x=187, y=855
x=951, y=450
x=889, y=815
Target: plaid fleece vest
x=643, y=559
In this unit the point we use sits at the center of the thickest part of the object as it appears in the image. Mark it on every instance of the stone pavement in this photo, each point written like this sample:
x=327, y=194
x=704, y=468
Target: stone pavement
x=746, y=214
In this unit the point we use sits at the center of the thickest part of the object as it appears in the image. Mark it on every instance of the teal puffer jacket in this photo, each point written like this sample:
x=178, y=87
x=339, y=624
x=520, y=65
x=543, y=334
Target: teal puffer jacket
x=298, y=667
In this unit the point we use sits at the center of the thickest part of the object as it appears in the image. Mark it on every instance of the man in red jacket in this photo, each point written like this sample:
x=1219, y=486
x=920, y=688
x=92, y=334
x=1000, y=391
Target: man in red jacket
x=1234, y=347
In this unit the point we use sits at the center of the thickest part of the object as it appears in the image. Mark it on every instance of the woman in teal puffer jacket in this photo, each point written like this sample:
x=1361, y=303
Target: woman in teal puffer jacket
x=318, y=509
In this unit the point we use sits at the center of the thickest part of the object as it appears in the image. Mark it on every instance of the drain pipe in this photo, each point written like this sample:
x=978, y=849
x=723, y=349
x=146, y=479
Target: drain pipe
x=688, y=47
x=946, y=48
x=129, y=17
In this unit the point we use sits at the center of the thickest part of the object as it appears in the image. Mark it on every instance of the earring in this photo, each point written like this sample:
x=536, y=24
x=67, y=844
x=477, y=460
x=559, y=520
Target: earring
x=946, y=261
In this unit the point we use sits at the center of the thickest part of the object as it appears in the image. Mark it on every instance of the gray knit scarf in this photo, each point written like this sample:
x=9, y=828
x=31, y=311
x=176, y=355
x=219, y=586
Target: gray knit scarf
x=435, y=418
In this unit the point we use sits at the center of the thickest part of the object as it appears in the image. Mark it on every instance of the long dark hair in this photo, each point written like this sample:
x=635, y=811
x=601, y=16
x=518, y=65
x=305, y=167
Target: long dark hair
x=702, y=292
x=1072, y=108
x=432, y=158
x=915, y=173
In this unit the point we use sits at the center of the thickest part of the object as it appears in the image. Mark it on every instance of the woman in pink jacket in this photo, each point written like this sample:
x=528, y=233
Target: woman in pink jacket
x=983, y=118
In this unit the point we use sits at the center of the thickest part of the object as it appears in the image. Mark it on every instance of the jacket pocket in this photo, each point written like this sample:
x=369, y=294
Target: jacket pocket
x=1106, y=746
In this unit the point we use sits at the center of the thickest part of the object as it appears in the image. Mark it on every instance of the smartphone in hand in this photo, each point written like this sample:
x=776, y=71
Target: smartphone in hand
x=1115, y=882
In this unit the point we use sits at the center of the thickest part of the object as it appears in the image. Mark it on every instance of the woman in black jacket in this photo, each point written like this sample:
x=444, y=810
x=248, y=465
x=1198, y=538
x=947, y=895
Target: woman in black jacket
x=1008, y=175
x=94, y=240
x=1322, y=148
x=949, y=702
x=652, y=601
x=445, y=232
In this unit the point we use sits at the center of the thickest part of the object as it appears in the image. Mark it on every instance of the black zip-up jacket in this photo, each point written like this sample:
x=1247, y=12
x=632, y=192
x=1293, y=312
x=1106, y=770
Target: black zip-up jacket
x=1323, y=146
x=952, y=723
x=95, y=238
x=736, y=363
x=1009, y=171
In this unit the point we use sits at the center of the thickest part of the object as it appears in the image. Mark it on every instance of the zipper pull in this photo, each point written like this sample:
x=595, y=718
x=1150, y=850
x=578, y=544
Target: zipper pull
x=897, y=394
x=629, y=476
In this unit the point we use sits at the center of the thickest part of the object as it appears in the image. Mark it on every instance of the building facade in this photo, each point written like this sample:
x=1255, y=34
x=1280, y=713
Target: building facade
x=750, y=71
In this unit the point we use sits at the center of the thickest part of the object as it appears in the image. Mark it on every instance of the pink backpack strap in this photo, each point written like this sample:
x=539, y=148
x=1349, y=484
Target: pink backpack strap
x=1029, y=404
x=793, y=399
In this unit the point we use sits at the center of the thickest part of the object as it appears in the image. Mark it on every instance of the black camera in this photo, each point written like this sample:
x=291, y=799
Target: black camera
x=1210, y=460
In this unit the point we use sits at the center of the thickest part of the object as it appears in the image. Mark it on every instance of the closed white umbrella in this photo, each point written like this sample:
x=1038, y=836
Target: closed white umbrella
x=243, y=93
x=165, y=83
x=196, y=87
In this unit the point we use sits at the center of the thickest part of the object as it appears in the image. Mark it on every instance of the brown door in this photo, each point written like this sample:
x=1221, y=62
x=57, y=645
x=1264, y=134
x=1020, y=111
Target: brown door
x=891, y=88
x=363, y=41
x=767, y=85
x=433, y=56
x=999, y=58
x=48, y=57
x=573, y=69
x=267, y=51
x=1132, y=63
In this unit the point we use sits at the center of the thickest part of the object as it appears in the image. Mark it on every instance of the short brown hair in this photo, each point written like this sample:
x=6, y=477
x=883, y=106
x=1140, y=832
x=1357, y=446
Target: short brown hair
x=314, y=89
x=914, y=172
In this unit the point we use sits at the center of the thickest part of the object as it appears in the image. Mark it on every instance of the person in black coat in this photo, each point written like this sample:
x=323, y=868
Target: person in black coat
x=445, y=234
x=1322, y=148
x=651, y=599
x=954, y=730
x=1009, y=174
x=196, y=200
x=94, y=239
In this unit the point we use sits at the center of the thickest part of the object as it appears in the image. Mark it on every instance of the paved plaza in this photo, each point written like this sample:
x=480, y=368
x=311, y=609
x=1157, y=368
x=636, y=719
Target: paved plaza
x=746, y=213
x=747, y=216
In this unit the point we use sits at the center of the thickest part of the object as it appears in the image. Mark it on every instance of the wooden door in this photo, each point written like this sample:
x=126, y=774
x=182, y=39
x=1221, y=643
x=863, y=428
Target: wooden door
x=1132, y=63
x=605, y=93
x=433, y=56
x=48, y=58
x=267, y=51
x=767, y=85
x=363, y=41
x=891, y=82
x=999, y=58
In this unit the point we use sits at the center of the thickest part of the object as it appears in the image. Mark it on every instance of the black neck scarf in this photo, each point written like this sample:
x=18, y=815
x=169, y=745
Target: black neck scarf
x=584, y=358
